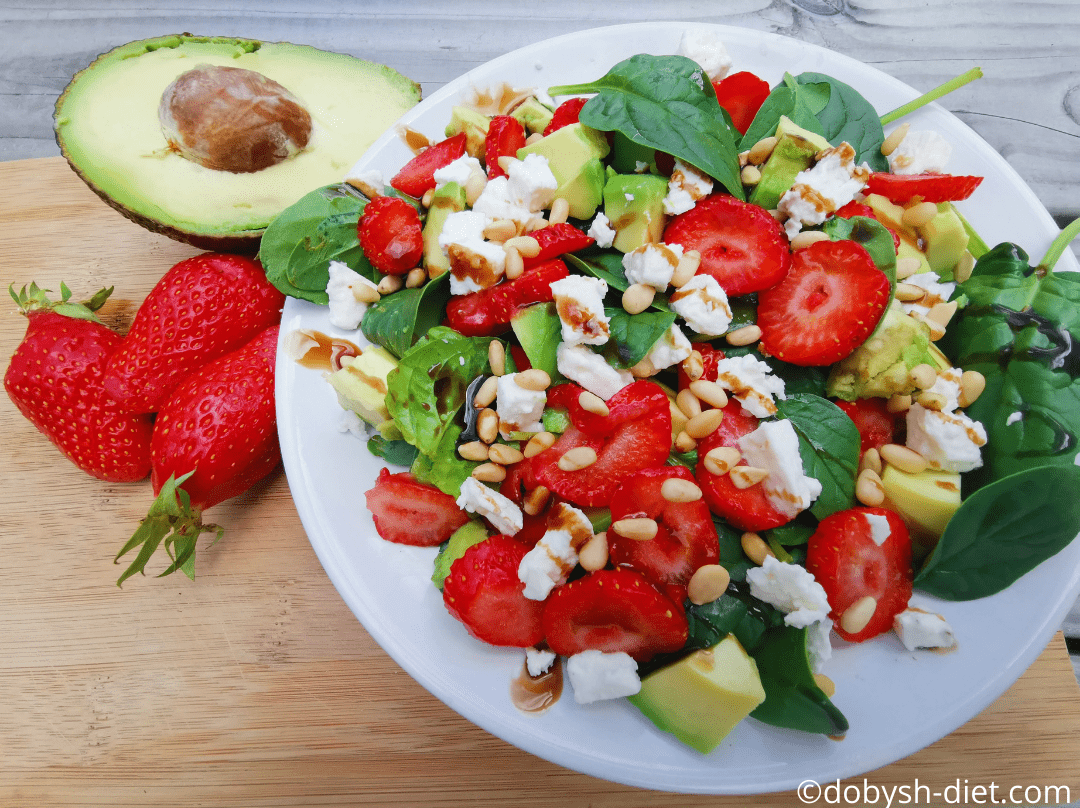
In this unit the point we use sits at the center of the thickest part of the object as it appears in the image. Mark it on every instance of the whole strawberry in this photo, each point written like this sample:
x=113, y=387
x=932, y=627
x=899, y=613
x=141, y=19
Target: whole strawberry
x=214, y=437
x=55, y=379
x=201, y=309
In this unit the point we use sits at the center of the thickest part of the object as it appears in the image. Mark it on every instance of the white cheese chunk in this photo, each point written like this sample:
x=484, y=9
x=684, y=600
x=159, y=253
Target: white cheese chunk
x=686, y=186
x=708, y=50
x=475, y=263
x=704, y=305
x=828, y=185
x=792, y=589
x=458, y=171
x=948, y=385
x=920, y=152
x=530, y=182
x=652, y=264
x=547, y=564
x=774, y=446
x=919, y=629
x=752, y=383
x=346, y=311
x=579, y=302
x=596, y=676
x=673, y=347
x=519, y=409
x=539, y=660
x=602, y=231
x=879, y=528
x=590, y=370
x=503, y=513
x=936, y=292
x=950, y=441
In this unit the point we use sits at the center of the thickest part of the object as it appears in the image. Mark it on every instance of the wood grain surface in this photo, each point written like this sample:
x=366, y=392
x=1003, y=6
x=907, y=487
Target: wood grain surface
x=254, y=685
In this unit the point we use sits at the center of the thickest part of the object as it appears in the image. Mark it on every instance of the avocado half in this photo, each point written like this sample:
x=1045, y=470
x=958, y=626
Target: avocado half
x=107, y=127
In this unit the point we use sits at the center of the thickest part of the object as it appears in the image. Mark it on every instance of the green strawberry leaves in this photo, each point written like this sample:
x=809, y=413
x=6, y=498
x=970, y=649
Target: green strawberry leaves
x=33, y=298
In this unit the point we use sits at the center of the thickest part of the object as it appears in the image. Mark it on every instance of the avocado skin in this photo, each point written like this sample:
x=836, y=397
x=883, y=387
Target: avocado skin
x=243, y=241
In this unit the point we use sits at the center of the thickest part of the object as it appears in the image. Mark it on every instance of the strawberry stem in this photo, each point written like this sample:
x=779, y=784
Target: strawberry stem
x=34, y=298
x=1059, y=245
x=932, y=95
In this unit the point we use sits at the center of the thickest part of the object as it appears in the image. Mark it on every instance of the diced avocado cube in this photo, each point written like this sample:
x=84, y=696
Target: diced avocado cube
x=475, y=126
x=634, y=204
x=786, y=126
x=574, y=155
x=539, y=331
x=533, y=115
x=881, y=366
x=946, y=239
x=360, y=384
x=447, y=199
x=926, y=501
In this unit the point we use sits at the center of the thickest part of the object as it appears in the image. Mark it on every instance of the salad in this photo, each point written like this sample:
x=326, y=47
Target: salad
x=641, y=415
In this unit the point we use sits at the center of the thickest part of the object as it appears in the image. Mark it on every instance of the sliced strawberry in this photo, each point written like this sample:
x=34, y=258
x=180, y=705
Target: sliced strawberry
x=636, y=434
x=612, y=611
x=852, y=559
x=742, y=95
x=565, y=114
x=685, y=538
x=556, y=240
x=391, y=235
x=741, y=245
x=825, y=307
x=483, y=592
x=418, y=175
x=711, y=357
x=852, y=209
x=505, y=135
x=877, y=426
x=407, y=511
x=902, y=188
x=489, y=311
x=744, y=508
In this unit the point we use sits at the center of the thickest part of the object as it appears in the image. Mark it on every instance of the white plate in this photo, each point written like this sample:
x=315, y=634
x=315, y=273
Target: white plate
x=897, y=702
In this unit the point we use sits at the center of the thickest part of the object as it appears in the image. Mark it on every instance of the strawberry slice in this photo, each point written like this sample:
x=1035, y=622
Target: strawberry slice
x=743, y=508
x=556, y=240
x=407, y=511
x=489, y=311
x=483, y=592
x=636, y=434
x=741, y=245
x=902, y=188
x=825, y=307
x=418, y=175
x=505, y=135
x=851, y=559
x=565, y=114
x=742, y=95
x=612, y=611
x=391, y=235
x=685, y=538
x=877, y=426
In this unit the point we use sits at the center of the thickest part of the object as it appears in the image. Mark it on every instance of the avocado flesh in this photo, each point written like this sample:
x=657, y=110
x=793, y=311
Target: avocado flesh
x=925, y=501
x=539, y=331
x=634, y=204
x=946, y=240
x=447, y=199
x=361, y=384
x=881, y=366
x=574, y=153
x=106, y=124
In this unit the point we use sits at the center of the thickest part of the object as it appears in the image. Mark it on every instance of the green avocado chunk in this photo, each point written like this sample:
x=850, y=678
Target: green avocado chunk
x=794, y=152
x=447, y=199
x=634, y=204
x=574, y=155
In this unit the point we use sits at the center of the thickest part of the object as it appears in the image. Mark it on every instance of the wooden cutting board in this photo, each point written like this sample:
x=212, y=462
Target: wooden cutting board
x=255, y=685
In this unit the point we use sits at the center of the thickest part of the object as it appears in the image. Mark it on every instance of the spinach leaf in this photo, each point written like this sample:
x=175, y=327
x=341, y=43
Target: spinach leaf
x=633, y=335
x=1003, y=531
x=298, y=246
x=829, y=445
x=849, y=117
x=666, y=103
x=468, y=535
x=398, y=320
x=394, y=452
x=800, y=103
x=731, y=613
x=792, y=697
x=870, y=234
x=731, y=552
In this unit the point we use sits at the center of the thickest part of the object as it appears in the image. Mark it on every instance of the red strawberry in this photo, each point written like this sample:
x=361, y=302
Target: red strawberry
x=565, y=114
x=391, y=235
x=828, y=304
x=505, y=135
x=612, y=611
x=201, y=309
x=741, y=245
x=742, y=95
x=214, y=438
x=685, y=539
x=556, y=240
x=407, y=511
x=489, y=311
x=483, y=592
x=876, y=425
x=902, y=188
x=55, y=379
x=418, y=175
x=744, y=508
x=851, y=562
x=636, y=434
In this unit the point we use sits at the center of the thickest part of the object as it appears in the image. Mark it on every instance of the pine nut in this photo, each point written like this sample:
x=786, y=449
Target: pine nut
x=919, y=215
x=684, y=443
x=909, y=292
x=744, y=477
x=761, y=150
x=505, y=161
x=744, y=158
x=907, y=266
x=709, y=392
x=688, y=404
x=497, y=357
x=593, y=555
x=590, y=402
x=487, y=425
x=825, y=684
x=722, y=459
x=643, y=369
x=869, y=489
x=857, y=616
x=903, y=458
x=429, y=195
x=366, y=188
x=693, y=366
x=487, y=393
x=676, y=489
x=537, y=222
x=871, y=460
x=416, y=278
x=755, y=547
x=937, y=330
x=704, y=424
x=577, y=458
x=474, y=186
x=637, y=528
x=533, y=138
x=808, y=237
x=964, y=267
x=707, y=584
x=747, y=335
x=932, y=401
x=366, y=293
x=505, y=454
x=390, y=284
x=513, y=266
x=637, y=298
x=535, y=500
x=560, y=211
x=489, y=473
x=751, y=175
x=538, y=443
x=686, y=269
x=528, y=246
x=972, y=384
x=942, y=312
x=898, y=403
x=533, y=379
x=500, y=230
x=923, y=376
x=473, y=450
x=890, y=143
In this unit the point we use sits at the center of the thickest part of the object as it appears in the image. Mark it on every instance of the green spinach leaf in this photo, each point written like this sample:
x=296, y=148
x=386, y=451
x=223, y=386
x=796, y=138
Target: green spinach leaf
x=800, y=103
x=829, y=445
x=849, y=117
x=633, y=335
x=394, y=452
x=667, y=103
x=398, y=320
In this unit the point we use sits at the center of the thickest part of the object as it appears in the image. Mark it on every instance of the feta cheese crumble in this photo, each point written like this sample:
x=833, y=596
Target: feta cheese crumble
x=793, y=590
x=920, y=152
x=590, y=370
x=602, y=231
x=950, y=441
x=686, y=186
x=539, y=660
x=936, y=292
x=672, y=348
x=708, y=50
x=828, y=185
x=920, y=629
x=652, y=264
x=579, y=302
x=547, y=564
x=475, y=263
x=774, y=446
x=879, y=528
x=596, y=676
x=703, y=304
x=752, y=383
x=458, y=171
x=346, y=309
x=519, y=409
x=503, y=513
x=948, y=385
